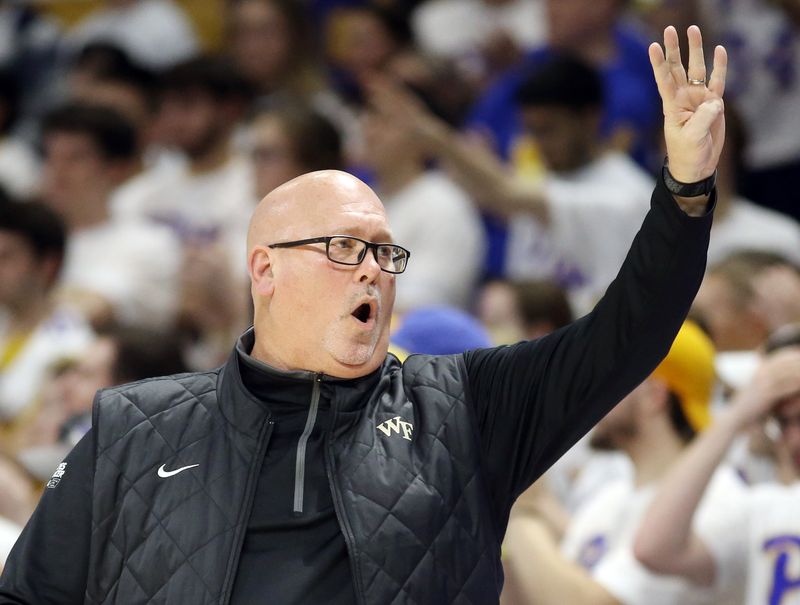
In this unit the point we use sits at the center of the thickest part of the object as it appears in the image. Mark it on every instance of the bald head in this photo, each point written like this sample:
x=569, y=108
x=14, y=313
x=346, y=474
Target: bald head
x=288, y=211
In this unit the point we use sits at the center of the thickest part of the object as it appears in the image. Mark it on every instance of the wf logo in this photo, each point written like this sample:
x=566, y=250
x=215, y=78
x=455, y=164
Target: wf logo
x=56, y=478
x=396, y=425
x=783, y=582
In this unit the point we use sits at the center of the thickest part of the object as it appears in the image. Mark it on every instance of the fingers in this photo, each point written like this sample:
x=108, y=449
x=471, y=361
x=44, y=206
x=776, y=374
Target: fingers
x=705, y=116
x=673, y=55
x=716, y=83
x=661, y=72
x=697, y=63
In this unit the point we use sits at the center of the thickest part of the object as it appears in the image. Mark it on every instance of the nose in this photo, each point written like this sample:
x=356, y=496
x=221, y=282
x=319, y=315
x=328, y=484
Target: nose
x=369, y=270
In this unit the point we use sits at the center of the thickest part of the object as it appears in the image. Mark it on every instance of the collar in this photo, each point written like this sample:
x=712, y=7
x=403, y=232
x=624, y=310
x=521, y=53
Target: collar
x=247, y=412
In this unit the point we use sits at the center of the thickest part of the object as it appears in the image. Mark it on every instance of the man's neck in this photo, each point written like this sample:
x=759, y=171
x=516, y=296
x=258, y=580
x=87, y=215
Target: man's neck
x=89, y=215
x=653, y=453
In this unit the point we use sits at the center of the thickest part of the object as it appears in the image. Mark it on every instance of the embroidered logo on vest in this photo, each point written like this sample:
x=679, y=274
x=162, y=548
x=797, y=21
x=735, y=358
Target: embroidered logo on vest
x=56, y=478
x=397, y=425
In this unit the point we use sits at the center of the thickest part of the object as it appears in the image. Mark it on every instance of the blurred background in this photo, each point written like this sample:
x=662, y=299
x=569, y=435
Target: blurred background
x=515, y=144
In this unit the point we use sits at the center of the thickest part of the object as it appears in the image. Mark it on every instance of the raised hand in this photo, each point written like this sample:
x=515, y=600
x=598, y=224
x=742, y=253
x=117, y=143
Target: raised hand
x=694, y=122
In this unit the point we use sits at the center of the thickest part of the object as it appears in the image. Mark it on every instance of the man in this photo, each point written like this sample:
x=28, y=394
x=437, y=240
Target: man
x=114, y=269
x=35, y=332
x=652, y=426
x=573, y=220
x=756, y=536
x=312, y=467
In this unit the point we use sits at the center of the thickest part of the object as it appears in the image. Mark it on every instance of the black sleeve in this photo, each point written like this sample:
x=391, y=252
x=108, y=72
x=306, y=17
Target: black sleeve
x=49, y=563
x=534, y=400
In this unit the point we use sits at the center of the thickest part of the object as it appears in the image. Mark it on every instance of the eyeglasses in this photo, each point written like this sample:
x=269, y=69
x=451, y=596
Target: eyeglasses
x=348, y=250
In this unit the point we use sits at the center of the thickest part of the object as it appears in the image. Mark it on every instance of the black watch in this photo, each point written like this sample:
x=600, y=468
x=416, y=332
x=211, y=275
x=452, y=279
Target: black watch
x=699, y=188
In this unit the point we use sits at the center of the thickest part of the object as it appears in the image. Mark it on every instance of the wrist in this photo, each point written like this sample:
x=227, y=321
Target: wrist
x=681, y=189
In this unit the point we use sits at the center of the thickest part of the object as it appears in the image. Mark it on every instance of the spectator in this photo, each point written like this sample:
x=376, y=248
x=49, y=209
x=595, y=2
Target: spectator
x=272, y=48
x=764, y=44
x=113, y=269
x=287, y=140
x=483, y=37
x=419, y=203
x=207, y=201
x=154, y=33
x=595, y=32
x=746, y=297
x=754, y=536
x=119, y=354
x=739, y=224
x=652, y=425
x=35, y=332
x=561, y=227
x=514, y=311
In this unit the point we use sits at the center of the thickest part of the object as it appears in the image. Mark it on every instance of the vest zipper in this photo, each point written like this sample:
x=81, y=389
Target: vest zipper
x=252, y=480
x=300, y=460
x=338, y=507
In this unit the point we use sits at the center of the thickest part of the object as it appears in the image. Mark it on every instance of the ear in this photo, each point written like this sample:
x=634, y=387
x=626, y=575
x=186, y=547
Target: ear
x=259, y=265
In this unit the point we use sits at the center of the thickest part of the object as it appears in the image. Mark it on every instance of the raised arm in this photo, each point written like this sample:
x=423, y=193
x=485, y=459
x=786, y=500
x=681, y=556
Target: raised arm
x=665, y=541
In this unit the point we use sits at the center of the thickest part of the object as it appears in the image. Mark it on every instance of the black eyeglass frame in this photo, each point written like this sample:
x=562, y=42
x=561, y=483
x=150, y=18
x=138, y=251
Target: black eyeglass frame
x=367, y=246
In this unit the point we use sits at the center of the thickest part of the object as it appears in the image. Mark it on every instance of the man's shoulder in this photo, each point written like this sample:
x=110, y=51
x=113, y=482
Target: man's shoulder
x=162, y=391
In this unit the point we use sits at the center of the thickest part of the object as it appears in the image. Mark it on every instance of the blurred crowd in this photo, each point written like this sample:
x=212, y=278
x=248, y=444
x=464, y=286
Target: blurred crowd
x=515, y=145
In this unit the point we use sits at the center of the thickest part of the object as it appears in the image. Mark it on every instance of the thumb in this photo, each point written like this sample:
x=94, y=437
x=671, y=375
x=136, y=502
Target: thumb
x=704, y=116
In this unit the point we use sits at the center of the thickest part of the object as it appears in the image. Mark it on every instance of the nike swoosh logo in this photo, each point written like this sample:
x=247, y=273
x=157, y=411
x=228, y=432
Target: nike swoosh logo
x=164, y=473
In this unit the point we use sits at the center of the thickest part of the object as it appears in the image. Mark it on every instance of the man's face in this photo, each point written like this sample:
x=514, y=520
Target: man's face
x=788, y=417
x=75, y=173
x=273, y=157
x=570, y=22
x=564, y=136
x=328, y=317
x=21, y=273
x=731, y=324
x=192, y=121
x=260, y=41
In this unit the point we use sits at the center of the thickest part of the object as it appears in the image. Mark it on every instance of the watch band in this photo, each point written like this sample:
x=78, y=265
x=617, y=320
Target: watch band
x=678, y=188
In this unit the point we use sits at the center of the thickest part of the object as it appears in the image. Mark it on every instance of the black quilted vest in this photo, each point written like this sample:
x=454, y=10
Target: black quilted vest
x=414, y=512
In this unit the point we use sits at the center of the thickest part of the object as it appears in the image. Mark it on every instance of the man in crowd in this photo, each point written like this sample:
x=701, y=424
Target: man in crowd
x=755, y=536
x=652, y=426
x=312, y=467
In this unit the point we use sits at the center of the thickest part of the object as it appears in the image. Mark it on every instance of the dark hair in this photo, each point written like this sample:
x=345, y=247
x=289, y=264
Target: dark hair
x=41, y=227
x=315, y=142
x=9, y=99
x=543, y=300
x=678, y=419
x=562, y=80
x=214, y=75
x=143, y=353
x=112, y=134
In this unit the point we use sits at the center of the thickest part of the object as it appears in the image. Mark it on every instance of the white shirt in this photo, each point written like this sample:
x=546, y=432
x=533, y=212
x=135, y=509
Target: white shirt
x=763, y=78
x=155, y=33
x=594, y=214
x=132, y=264
x=9, y=532
x=600, y=537
x=436, y=220
x=747, y=226
x=62, y=335
x=757, y=536
x=19, y=168
x=201, y=209
x=458, y=29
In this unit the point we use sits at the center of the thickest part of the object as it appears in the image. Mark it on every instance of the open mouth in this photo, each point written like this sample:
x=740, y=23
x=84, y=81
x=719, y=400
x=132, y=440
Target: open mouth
x=364, y=312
